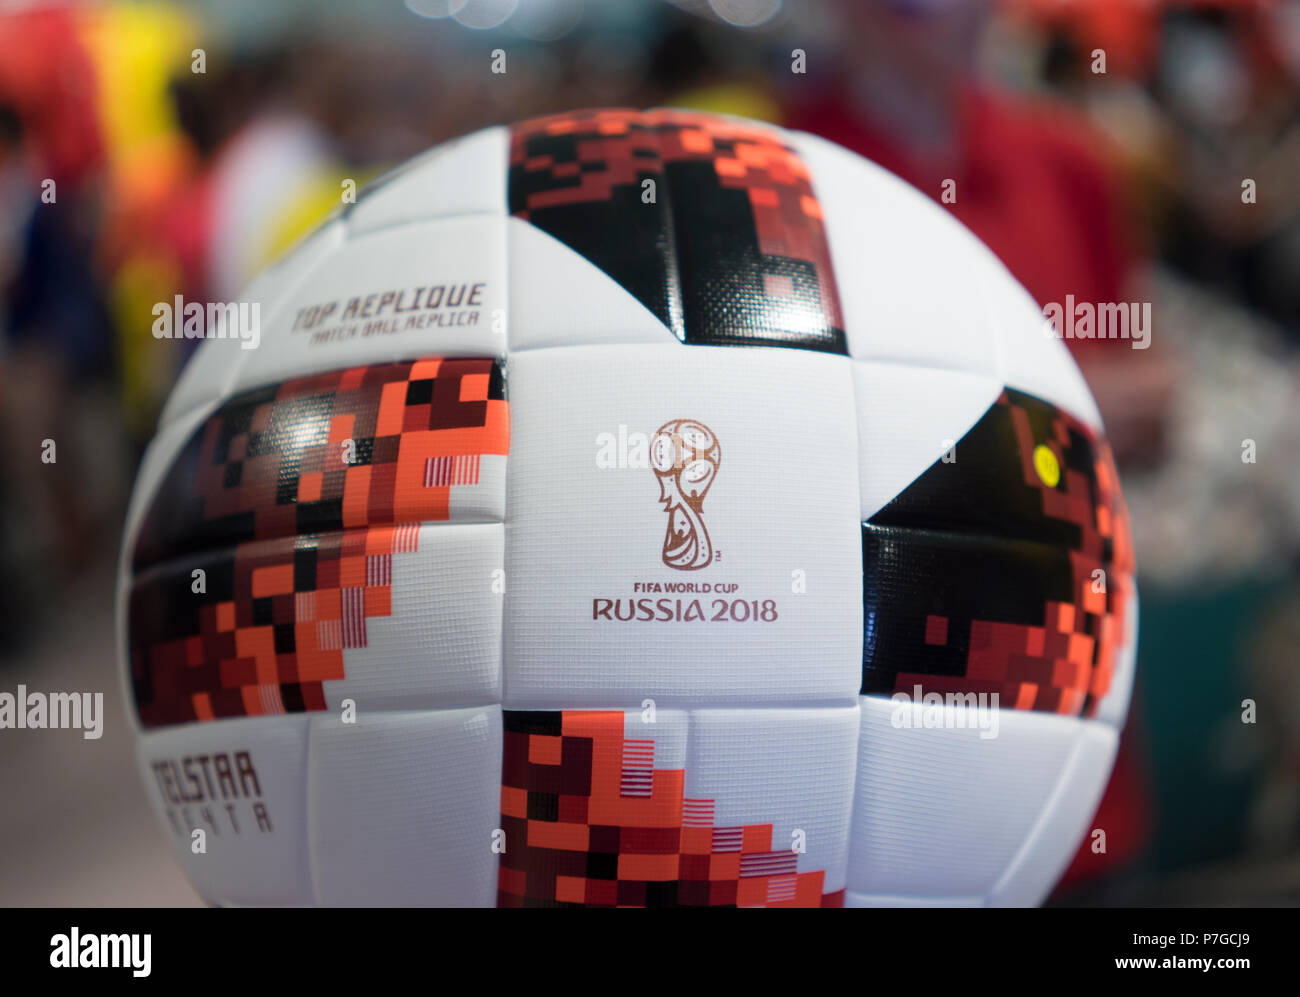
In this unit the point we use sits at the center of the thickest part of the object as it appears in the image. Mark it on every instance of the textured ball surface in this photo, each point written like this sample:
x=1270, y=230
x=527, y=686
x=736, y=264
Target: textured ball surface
x=630, y=508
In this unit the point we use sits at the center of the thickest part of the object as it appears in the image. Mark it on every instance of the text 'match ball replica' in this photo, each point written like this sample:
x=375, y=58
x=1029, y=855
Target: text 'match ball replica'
x=630, y=508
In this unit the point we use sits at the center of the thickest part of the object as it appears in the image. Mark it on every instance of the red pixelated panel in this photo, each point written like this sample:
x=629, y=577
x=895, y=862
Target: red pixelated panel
x=283, y=516
x=583, y=829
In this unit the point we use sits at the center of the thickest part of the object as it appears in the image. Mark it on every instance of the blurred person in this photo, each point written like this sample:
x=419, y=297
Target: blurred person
x=48, y=78
x=257, y=151
x=232, y=178
x=90, y=81
x=15, y=210
x=142, y=255
x=1117, y=102
x=56, y=344
x=1032, y=179
x=1229, y=78
x=694, y=64
x=17, y=551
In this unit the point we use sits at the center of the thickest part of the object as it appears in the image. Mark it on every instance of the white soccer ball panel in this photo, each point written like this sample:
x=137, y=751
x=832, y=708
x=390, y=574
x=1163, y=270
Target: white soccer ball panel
x=230, y=798
x=946, y=806
x=560, y=298
x=214, y=369
x=460, y=177
x=908, y=418
x=595, y=616
x=440, y=643
x=909, y=275
x=402, y=807
x=430, y=288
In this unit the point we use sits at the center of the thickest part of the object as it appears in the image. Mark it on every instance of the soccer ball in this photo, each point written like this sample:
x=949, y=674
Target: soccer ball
x=629, y=508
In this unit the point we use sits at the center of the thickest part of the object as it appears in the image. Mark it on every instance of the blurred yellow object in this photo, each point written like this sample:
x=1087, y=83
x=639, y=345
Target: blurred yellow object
x=146, y=370
x=740, y=99
x=319, y=196
x=1047, y=466
x=137, y=49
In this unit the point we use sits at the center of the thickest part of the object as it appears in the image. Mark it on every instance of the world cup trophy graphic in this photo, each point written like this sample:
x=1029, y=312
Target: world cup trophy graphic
x=685, y=456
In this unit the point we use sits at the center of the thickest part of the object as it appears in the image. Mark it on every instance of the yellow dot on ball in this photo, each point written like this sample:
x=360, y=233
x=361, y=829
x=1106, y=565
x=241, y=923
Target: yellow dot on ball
x=1047, y=466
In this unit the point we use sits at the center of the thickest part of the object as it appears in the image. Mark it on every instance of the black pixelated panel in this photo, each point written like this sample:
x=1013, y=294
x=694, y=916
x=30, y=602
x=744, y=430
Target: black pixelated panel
x=969, y=583
x=992, y=488
x=731, y=251
x=982, y=575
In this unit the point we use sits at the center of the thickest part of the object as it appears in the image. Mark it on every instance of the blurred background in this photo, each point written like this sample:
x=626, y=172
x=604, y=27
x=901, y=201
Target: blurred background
x=1100, y=147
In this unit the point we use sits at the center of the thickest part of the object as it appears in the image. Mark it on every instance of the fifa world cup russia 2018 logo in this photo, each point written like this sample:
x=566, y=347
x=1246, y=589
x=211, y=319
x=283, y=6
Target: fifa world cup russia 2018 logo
x=685, y=455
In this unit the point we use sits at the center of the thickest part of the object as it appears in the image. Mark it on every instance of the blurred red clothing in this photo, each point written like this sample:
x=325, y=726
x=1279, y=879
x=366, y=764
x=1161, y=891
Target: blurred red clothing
x=1031, y=182
x=47, y=76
